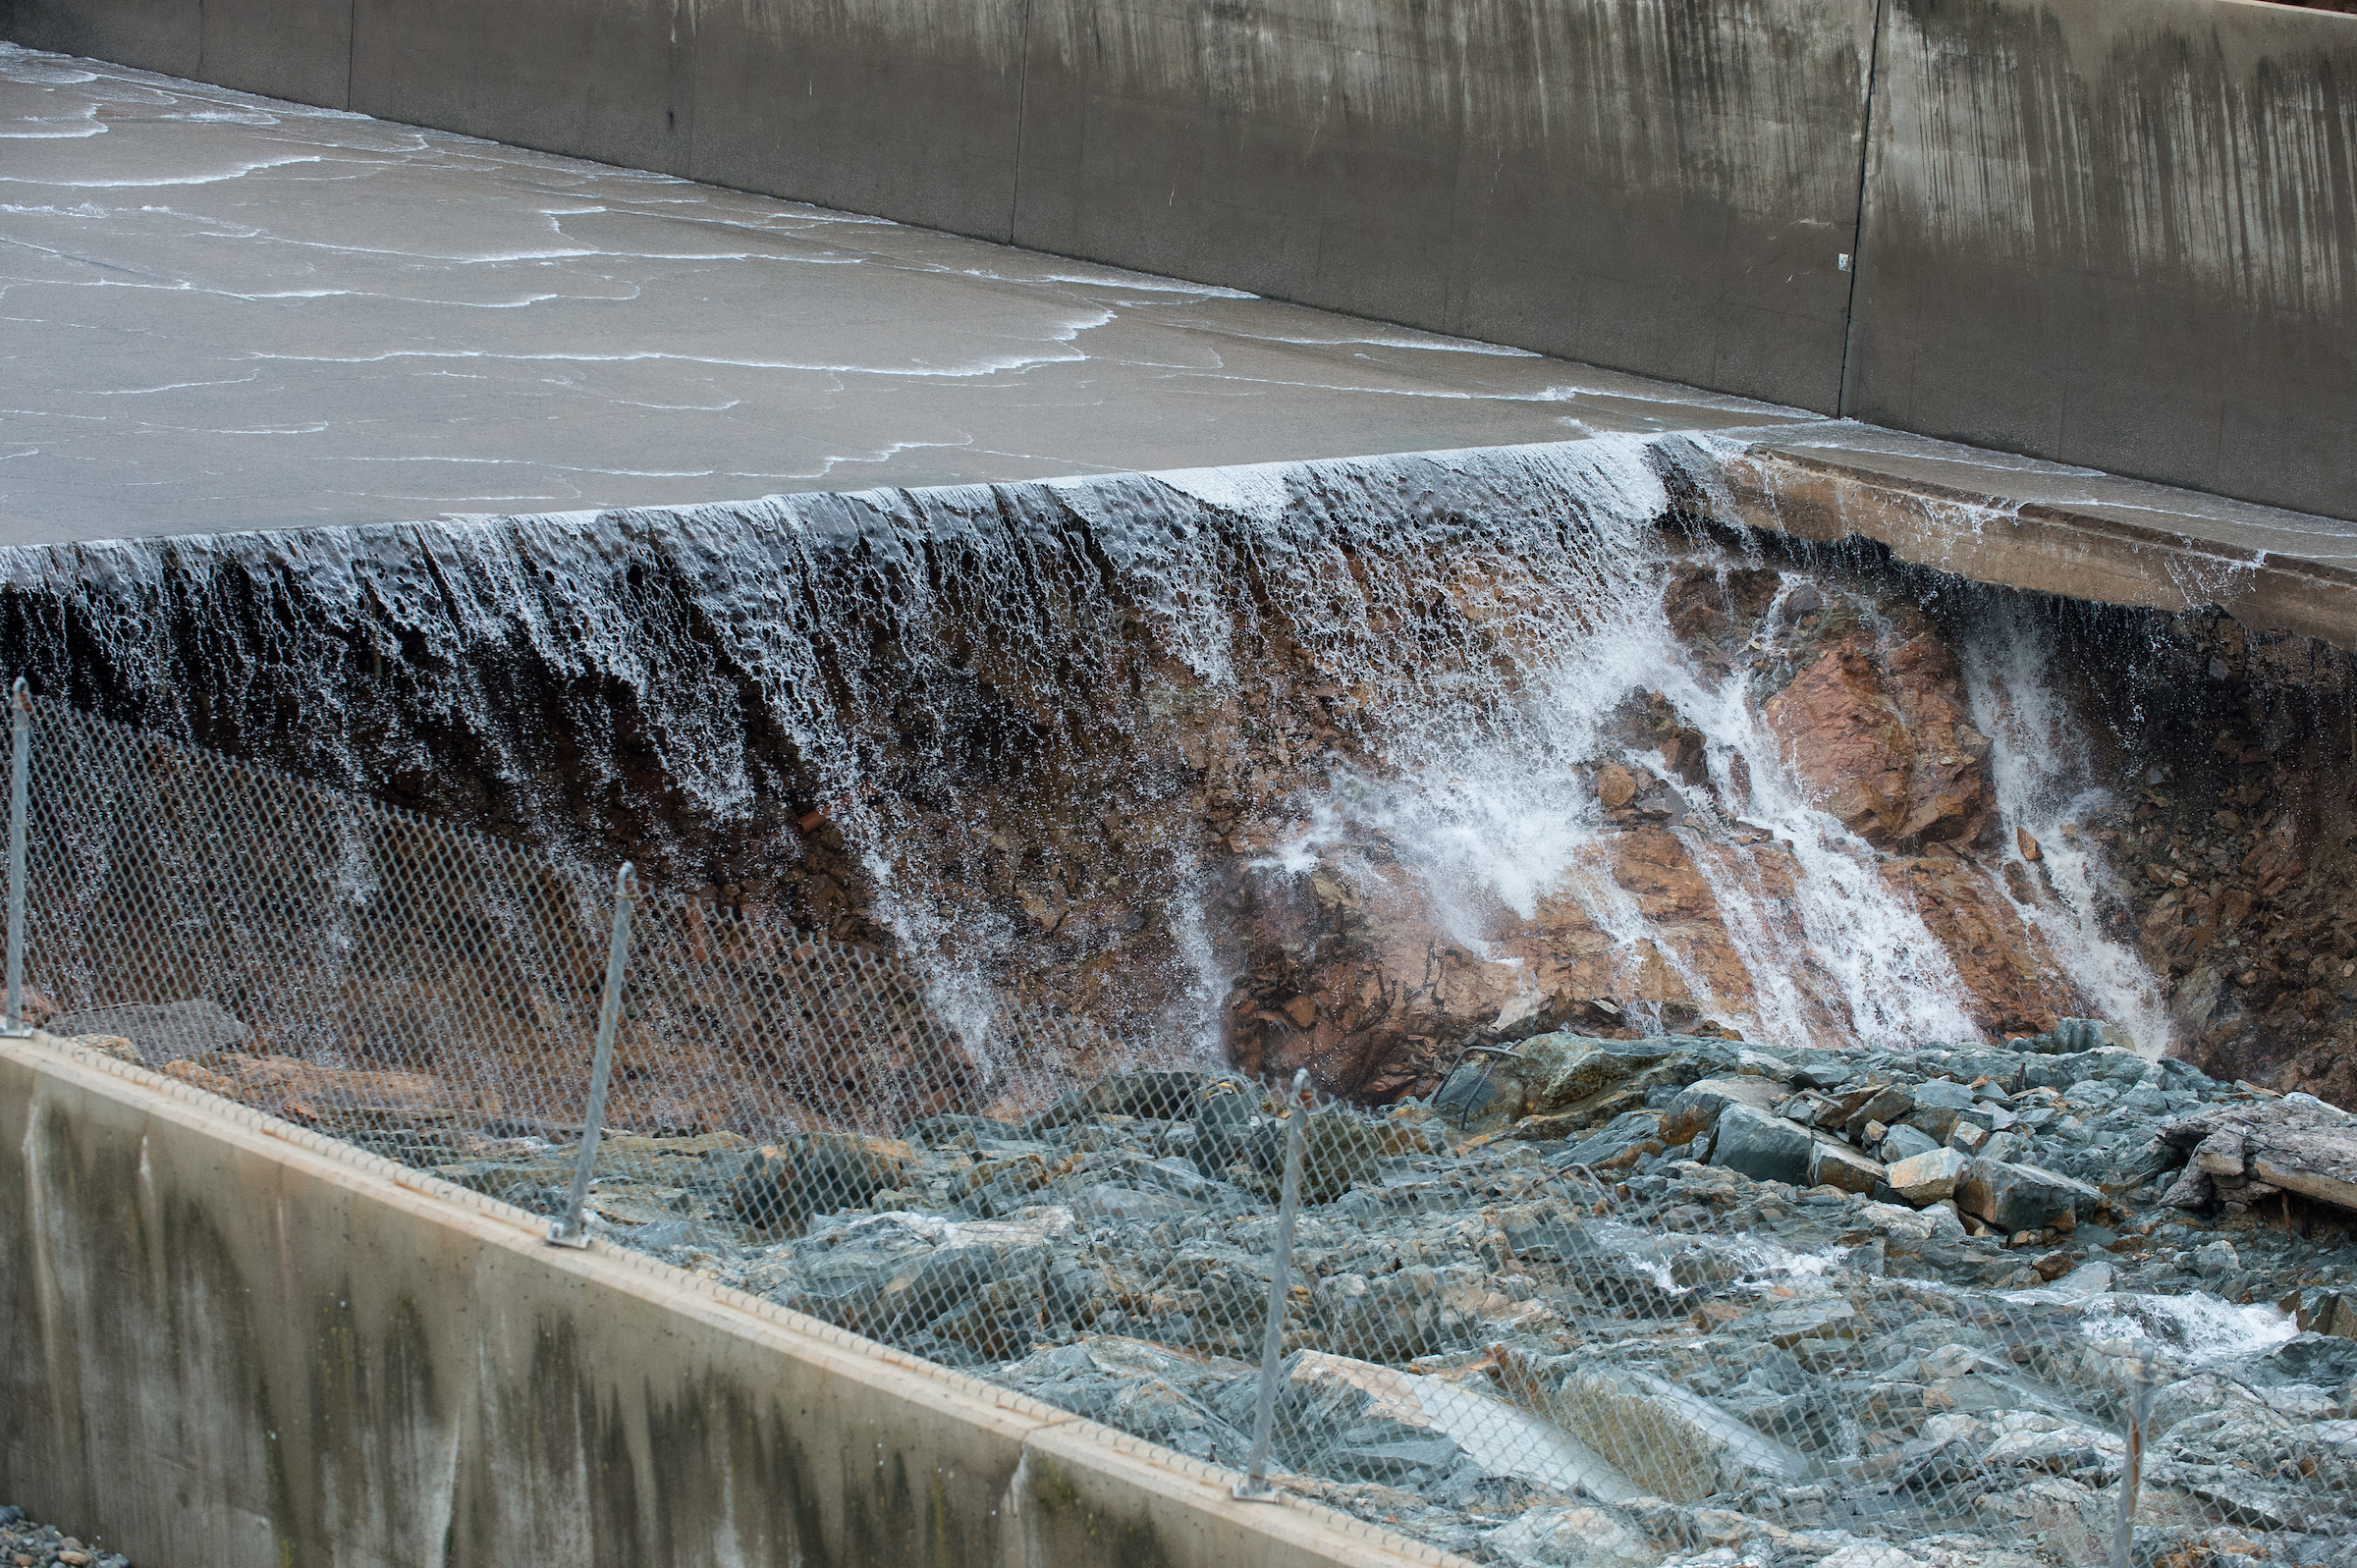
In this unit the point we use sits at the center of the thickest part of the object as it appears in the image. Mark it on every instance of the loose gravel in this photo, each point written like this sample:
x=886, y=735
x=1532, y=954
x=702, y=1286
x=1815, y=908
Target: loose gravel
x=26, y=1545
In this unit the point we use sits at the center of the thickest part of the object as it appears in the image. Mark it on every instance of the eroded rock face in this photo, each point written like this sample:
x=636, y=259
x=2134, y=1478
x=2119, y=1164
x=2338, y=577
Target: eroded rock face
x=1355, y=968
x=1880, y=736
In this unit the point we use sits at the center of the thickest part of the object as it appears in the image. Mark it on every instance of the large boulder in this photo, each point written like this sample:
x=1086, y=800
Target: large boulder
x=1904, y=1142
x=1882, y=1103
x=1939, y=1106
x=1665, y=1438
x=1927, y=1177
x=2248, y=1151
x=1340, y=1149
x=2017, y=1198
x=1834, y=1164
x=1763, y=1147
x=785, y=1183
x=1879, y=731
x=1618, y=1143
x=1697, y=1108
x=956, y=1292
x=1552, y=1073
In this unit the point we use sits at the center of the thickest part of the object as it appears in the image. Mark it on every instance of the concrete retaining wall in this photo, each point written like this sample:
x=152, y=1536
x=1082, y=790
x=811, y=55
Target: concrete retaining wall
x=224, y=1340
x=2119, y=233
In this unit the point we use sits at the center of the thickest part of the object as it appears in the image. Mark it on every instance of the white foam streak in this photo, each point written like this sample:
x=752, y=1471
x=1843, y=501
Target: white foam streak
x=2044, y=776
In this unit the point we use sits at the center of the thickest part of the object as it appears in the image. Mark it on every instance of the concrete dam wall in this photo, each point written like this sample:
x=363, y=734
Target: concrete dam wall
x=2117, y=233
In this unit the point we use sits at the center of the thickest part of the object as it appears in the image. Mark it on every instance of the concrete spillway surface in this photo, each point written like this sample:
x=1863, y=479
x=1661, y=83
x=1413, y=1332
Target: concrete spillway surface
x=230, y=312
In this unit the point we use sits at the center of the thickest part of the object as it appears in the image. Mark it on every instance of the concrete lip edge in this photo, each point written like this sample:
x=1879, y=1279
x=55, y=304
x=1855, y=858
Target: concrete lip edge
x=1082, y=1457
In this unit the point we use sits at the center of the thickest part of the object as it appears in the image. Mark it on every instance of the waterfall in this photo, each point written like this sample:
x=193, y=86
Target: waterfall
x=1315, y=761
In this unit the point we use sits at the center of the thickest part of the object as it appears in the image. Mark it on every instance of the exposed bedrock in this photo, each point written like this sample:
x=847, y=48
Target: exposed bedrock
x=1346, y=765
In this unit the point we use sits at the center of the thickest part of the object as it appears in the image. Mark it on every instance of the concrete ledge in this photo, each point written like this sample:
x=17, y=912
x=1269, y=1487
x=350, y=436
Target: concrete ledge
x=226, y=1339
x=2081, y=549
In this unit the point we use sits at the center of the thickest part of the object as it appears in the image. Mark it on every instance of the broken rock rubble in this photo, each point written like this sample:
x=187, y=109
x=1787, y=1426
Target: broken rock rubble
x=1527, y=1325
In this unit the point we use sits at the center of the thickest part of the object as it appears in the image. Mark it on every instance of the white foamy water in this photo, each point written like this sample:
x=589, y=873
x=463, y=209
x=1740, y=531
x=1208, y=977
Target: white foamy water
x=2196, y=1330
x=2042, y=765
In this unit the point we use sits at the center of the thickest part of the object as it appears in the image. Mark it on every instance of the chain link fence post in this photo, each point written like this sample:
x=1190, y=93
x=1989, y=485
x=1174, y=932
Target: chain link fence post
x=2140, y=1410
x=570, y=1229
x=1255, y=1488
x=20, y=714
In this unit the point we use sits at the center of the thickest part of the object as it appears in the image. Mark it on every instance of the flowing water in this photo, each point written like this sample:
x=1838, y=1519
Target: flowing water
x=1296, y=762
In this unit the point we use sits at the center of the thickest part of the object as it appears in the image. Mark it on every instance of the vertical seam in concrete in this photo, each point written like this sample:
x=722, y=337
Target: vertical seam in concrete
x=1857, y=238
x=685, y=169
x=352, y=47
x=1022, y=106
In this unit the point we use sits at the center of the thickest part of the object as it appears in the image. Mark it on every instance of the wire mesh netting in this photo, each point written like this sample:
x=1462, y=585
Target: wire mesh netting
x=1566, y=1341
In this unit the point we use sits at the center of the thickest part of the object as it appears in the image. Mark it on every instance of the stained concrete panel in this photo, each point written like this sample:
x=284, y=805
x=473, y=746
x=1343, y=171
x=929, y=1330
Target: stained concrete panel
x=906, y=109
x=1669, y=183
x=2118, y=232
x=295, y=49
x=608, y=80
x=165, y=36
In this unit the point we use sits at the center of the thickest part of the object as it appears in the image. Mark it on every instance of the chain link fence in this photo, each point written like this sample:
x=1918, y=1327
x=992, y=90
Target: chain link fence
x=1521, y=1348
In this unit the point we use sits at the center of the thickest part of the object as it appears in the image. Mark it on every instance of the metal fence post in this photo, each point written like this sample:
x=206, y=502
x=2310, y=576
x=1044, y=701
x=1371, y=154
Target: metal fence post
x=1255, y=1488
x=570, y=1230
x=2140, y=1410
x=20, y=712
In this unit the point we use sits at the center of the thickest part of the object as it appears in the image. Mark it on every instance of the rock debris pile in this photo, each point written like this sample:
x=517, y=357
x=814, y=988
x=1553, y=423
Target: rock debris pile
x=1667, y=1300
x=26, y=1545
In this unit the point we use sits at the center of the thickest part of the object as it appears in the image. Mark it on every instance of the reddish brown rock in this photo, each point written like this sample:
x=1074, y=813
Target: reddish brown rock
x=1881, y=740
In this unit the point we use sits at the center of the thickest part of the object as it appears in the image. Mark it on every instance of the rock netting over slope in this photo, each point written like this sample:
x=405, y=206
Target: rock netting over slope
x=1604, y=1301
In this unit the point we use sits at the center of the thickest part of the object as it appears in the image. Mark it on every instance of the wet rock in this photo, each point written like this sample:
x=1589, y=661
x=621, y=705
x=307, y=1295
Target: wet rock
x=2325, y=1311
x=1340, y=1149
x=958, y=1291
x=1621, y=1142
x=2296, y=1144
x=1759, y=1355
x=1662, y=1436
x=1882, y=735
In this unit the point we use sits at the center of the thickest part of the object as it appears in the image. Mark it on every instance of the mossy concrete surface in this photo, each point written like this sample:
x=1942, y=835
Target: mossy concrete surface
x=227, y=1340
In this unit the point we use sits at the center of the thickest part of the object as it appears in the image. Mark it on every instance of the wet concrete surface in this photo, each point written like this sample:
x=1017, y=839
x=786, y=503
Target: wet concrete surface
x=228, y=312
